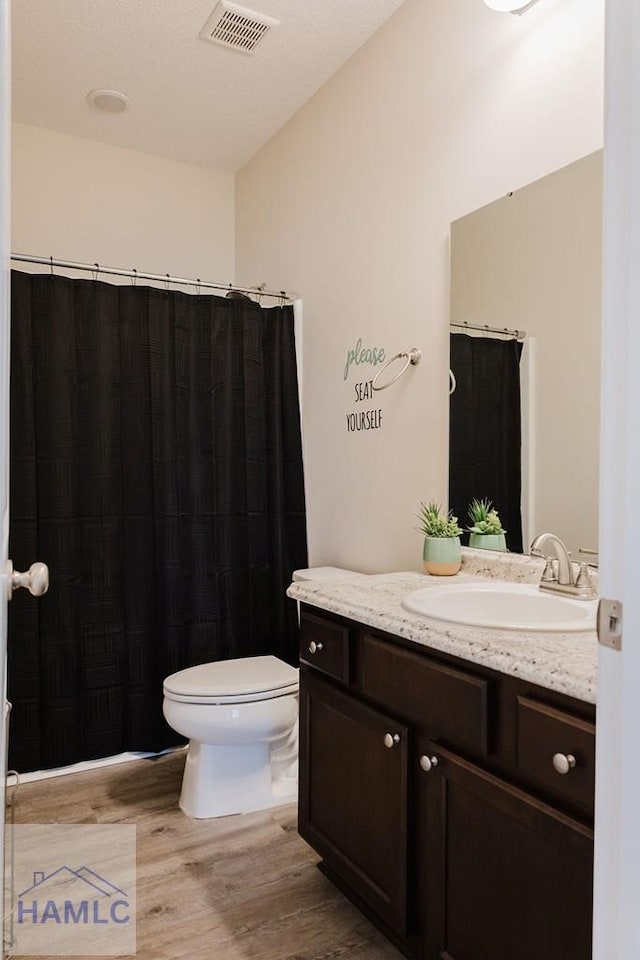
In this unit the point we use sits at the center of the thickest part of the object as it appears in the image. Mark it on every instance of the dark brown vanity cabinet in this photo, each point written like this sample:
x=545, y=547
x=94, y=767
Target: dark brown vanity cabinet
x=506, y=876
x=452, y=803
x=353, y=796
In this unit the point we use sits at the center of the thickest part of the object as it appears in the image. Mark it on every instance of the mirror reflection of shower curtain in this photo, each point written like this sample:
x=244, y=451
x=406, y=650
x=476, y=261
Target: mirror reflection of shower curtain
x=485, y=429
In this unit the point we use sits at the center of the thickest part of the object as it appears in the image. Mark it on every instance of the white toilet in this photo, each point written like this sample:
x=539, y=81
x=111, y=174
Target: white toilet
x=241, y=719
x=232, y=712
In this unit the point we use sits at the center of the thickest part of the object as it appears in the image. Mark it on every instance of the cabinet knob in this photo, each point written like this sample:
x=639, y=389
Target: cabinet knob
x=315, y=647
x=390, y=739
x=563, y=762
x=428, y=763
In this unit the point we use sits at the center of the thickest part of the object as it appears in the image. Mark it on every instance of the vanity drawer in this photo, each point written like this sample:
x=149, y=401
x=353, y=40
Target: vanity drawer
x=548, y=737
x=451, y=704
x=324, y=645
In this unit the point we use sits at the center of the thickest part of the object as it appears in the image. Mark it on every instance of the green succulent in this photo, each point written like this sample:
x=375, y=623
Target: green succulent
x=433, y=523
x=484, y=518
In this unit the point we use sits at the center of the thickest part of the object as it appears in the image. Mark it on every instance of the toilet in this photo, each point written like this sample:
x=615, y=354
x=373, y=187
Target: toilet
x=241, y=720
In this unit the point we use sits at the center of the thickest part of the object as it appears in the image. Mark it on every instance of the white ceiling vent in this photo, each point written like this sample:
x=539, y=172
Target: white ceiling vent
x=237, y=27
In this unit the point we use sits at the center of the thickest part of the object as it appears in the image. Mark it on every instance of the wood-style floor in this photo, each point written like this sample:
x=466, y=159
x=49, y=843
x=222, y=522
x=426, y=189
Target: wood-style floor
x=236, y=888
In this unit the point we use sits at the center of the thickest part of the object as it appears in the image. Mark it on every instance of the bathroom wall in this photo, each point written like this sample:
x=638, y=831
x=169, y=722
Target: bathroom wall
x=446, y=108
x=77, y=199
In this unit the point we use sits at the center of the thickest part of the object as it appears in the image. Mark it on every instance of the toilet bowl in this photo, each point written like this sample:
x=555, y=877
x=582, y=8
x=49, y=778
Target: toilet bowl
x=241, y=720
x=240, y=717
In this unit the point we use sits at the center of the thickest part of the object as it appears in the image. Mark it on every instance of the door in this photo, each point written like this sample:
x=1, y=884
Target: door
x=36, y=580
x=353, y=795
x=5, y=77
x=507, y=877
x=617, y=860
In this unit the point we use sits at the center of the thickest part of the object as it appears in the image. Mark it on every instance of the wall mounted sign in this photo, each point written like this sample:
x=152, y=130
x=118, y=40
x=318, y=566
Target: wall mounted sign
x=363, y=356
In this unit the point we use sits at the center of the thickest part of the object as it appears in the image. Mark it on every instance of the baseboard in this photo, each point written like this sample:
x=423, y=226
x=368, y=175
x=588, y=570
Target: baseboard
x=84, y=766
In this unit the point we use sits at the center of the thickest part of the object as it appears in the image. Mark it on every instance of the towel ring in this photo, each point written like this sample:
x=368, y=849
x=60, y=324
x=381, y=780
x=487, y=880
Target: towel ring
x=412, y=359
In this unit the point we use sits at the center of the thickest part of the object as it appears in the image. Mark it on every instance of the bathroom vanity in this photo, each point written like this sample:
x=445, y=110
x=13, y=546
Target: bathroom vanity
x=447, y=775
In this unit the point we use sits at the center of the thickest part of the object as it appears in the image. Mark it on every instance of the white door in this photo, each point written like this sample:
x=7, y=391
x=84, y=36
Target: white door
x=5, y=127
x=37, y=578
x=617, y=862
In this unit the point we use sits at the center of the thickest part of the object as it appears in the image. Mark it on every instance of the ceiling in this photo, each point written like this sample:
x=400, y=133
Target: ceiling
x=190, y=99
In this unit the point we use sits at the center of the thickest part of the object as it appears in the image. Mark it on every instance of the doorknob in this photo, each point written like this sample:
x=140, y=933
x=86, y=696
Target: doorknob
x=35, y=579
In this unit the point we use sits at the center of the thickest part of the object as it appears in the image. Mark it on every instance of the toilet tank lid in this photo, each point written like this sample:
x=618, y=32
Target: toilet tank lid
x=228, y=678
x=326, y=573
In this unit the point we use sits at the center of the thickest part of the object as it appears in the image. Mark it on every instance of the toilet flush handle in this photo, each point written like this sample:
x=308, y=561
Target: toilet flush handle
x=315, y=647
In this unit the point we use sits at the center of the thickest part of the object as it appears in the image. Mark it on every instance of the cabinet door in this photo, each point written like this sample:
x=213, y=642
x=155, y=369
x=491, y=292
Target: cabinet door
x=353, y=795
x=507, y=877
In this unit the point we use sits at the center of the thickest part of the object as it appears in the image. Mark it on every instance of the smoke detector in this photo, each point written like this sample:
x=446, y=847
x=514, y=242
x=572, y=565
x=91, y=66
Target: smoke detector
x=111, y=101
x=237, y=27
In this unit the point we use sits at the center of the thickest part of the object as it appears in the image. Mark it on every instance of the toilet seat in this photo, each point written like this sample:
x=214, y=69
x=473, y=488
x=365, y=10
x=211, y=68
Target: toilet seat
x=233, y=681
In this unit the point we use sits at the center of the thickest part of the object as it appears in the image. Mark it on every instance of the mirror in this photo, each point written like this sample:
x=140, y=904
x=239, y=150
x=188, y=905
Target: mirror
x=531, y=261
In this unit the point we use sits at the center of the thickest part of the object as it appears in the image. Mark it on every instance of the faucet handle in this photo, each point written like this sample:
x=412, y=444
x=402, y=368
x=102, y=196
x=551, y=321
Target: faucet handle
x=549, y=573
x=584, y=583
x=591, y=553
x=535, y=552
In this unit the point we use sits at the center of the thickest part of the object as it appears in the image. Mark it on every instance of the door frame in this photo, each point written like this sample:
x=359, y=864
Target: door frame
x=5, y=277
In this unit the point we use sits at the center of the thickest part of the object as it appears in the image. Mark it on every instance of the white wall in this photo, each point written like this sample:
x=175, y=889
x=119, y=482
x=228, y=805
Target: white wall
x=447, y=107
x=77, y=199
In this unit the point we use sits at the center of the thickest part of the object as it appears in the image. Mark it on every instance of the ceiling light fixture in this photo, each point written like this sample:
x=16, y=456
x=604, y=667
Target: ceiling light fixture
x=510, y=6
x=110, y=101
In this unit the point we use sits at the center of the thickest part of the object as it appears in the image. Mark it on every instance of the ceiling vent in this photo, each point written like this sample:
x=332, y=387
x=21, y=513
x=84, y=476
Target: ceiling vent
x=237, y=27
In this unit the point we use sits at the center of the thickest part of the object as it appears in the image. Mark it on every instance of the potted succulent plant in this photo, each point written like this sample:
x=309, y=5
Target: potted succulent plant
x=487, y=532
x=442, y=554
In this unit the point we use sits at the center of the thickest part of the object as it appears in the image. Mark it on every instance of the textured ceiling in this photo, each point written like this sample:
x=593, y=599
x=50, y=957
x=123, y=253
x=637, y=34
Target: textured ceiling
x=190, y=99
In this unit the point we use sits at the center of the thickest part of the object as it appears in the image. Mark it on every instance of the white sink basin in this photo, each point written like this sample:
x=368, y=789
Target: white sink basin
x=503, y=606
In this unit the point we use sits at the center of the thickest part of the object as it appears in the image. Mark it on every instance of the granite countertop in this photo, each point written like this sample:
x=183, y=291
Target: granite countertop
x=565, y=662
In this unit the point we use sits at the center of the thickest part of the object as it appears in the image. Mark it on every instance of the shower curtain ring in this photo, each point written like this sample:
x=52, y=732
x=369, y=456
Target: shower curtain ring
x=96, y=272
x=198, y=285
x=134, y=278
x=166, y=282
x=51, y=263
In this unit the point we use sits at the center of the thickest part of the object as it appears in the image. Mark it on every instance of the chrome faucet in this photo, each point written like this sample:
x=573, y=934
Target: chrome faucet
x=580, y=586
x=565, y=573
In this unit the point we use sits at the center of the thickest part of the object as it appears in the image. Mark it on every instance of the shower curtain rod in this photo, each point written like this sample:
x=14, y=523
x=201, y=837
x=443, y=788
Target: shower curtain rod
x=166, y=278
x=485, y=328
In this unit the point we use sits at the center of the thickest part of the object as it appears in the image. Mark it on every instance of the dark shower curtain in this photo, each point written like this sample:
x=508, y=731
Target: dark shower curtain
x=485, y=429
x=156, y=466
